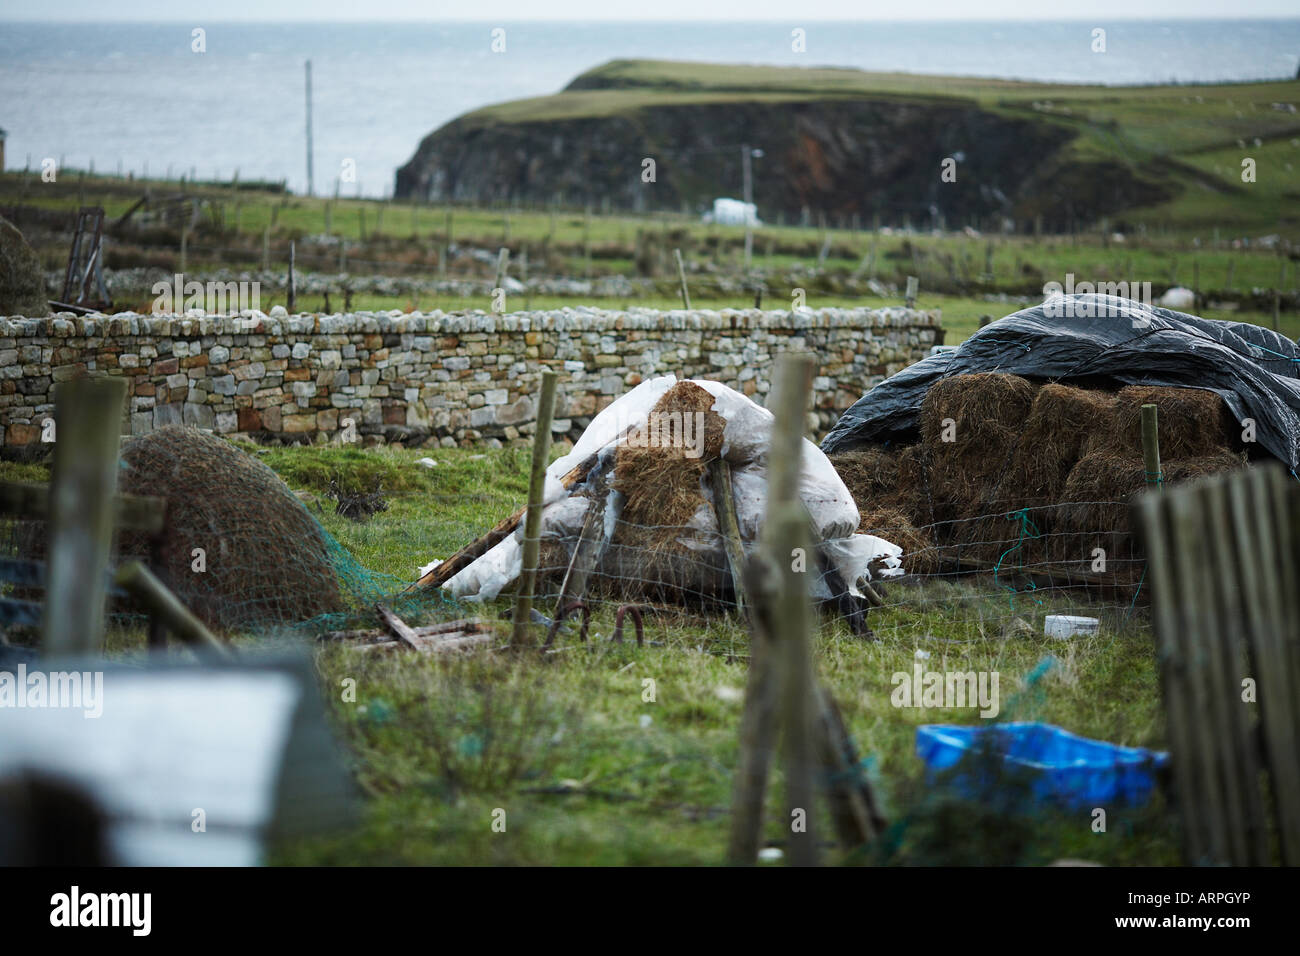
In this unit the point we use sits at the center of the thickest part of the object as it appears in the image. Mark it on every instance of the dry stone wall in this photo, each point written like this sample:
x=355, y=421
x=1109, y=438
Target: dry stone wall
x=428, y=378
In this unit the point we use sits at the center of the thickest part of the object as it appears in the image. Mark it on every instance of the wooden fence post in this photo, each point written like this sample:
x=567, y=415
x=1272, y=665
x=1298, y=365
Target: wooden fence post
x=87, y=430
x=533, y=518
x=786, y=540
x=1151, y=444
x=913, y=287
x=293, y=297
x=681, y=278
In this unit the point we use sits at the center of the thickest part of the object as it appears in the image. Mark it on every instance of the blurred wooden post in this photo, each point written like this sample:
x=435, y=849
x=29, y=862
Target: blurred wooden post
x=87, y=430
x=533, y=518
x=503, y=263
x=185, y=241
x=266, y=249
x=1151, y=444
x=785, y=538
x=913, y=287
x=681, y=278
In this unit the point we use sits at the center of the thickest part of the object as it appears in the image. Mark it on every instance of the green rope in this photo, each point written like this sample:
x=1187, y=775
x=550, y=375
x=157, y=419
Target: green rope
x=1027, y=530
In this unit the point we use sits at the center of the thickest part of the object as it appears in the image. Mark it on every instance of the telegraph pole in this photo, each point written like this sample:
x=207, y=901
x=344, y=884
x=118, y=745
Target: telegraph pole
x=309, y=175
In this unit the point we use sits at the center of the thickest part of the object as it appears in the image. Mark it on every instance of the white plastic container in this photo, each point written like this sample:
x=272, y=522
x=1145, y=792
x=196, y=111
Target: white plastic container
x=1065, y=626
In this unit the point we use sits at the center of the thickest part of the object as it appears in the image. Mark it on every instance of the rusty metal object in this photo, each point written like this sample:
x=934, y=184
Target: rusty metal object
x=635, y=611
x=559, y=619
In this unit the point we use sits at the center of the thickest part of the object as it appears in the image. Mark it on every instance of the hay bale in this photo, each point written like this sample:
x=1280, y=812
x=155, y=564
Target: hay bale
x=919, y=556
x=869, y=473
x=1194, y=423
x=1062, y=422
x=1099, y=491
x=267, y=560
x=662, y=488
x=977, y=404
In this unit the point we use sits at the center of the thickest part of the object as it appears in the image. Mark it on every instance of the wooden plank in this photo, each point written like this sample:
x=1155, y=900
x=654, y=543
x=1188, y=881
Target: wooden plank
x=1194, y=612
x=88, y=416
x=397, y=627
x=1228, y=662
x=1277, y=645
x=724, y=512
x=1164, y=605
x=130, y=512
x=439, y=644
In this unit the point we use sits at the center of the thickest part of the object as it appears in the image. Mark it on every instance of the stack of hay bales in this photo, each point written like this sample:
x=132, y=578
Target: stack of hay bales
x=1033, y=475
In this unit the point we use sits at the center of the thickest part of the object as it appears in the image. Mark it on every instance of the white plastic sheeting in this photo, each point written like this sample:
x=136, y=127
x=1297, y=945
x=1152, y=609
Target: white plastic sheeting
x=745, y=445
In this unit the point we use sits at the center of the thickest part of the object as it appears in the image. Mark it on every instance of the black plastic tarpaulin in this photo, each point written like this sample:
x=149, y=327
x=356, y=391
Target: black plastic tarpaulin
x=1103, y=340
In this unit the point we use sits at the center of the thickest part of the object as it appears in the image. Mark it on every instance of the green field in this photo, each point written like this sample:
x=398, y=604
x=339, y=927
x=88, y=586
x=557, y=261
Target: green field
x=588, y=772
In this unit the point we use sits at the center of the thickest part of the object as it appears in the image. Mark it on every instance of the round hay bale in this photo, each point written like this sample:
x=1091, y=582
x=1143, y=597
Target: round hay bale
x=1062, y=422
x=976, y=403
x=267, y=560
x=1194, y=423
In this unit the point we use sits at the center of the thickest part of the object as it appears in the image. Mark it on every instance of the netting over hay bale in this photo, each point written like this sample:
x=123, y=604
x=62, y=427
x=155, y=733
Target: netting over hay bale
x=267, y=560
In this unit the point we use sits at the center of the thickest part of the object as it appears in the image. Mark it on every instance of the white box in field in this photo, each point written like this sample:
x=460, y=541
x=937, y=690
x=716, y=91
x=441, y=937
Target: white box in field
x=1063, y=626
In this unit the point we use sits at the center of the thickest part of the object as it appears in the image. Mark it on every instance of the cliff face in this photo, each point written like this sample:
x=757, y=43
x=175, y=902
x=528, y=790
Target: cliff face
x=842, y=155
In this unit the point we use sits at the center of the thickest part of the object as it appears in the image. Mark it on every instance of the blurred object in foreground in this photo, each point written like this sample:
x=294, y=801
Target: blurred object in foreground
x=186, y=765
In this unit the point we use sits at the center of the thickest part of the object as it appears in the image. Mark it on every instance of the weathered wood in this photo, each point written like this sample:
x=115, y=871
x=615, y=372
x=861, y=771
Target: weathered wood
x=854, y=809
x=373, y=634
x=440, y=644
x=785, y=533
x=724, y=511
x=533, y=516
x=593, y=539
x=681, y=278
x=757, y=741
x=396, y=626
x=130, y=512
x=139, y=582
x=1151, y=444
x=88, y=418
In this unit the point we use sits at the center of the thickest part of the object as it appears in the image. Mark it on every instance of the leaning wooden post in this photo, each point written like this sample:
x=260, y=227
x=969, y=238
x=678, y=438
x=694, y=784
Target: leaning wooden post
x=681, y=278
x=533, y=519
x=785, y=540
x=141, y=584
x=1151, y=444
x=87, y=429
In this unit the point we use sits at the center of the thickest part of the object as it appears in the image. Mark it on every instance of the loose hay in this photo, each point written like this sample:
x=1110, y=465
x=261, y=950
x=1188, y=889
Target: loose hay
x=267, y=560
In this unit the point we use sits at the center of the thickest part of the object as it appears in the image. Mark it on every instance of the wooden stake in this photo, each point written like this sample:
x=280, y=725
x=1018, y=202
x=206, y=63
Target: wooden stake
x=681, y=278
x=1151, y=444
x=87, y=426
x=533, y=519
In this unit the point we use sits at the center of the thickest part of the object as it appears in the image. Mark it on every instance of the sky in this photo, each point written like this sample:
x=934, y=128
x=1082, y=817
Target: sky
x=794, y=11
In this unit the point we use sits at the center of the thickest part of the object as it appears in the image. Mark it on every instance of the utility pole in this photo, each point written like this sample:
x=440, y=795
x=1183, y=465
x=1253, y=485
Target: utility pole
x=309, y=171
